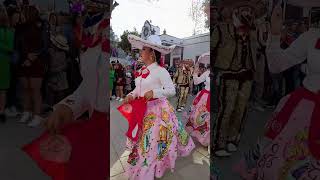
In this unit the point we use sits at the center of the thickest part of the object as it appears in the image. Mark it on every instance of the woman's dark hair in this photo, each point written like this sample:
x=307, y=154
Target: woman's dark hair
x=158, y=56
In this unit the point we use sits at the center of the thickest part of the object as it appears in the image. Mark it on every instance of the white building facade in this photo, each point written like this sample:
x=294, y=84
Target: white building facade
x=186, y=48
x=195, y=46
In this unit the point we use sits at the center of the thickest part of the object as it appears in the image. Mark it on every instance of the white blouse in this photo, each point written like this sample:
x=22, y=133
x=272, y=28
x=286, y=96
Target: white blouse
x=301, y=49
x=205, y=77
x=158, y=81
x=92, y=93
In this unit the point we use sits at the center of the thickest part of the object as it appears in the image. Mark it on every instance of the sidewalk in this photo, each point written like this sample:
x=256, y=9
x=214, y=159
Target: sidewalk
x=195, y=166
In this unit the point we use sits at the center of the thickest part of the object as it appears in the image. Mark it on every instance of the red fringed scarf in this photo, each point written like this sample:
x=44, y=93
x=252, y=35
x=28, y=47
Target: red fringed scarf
x=134, y=112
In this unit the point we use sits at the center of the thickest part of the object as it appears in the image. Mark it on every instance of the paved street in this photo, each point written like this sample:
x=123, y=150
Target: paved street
x=14, y=164
x=254, y=128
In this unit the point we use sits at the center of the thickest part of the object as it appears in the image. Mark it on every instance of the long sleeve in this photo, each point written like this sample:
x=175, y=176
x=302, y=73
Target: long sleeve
x=77, y=101
x=168, y=89
x=200, y=79
x=134, y=93
x=280, y=60
x=7, y=44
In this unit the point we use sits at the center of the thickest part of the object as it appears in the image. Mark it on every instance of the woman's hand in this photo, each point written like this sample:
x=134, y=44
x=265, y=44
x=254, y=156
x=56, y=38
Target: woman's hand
x=148, y=95
x=62, y=115
x=276, y=20
x=128, y=99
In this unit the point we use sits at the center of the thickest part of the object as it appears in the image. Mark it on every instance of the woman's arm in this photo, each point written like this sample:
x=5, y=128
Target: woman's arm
x=200, y=79
x=280, y=60
x=77, y=101
x=168, y=89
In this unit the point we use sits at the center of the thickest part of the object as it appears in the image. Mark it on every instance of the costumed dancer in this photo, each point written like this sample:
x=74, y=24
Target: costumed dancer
x=290, y=146
x=73, y=148
x=234, y=47
x=199, y=119
x=160, y=137
x=182, y=80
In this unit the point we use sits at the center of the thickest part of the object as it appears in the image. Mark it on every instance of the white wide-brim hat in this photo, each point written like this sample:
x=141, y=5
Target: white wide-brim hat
x=153, y=42
x=60, y=42
x=204, y=58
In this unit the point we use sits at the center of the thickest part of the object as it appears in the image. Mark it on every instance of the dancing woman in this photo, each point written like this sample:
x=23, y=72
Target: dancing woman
x=160, y=137
x=199, y=119
x=290, y=146
x=74, y=147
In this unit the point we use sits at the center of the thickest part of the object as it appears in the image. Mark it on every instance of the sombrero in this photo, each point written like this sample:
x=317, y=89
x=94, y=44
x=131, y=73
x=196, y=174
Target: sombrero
x=204, y=58
x=60, y=42
x=153, y=42
x=259, y=6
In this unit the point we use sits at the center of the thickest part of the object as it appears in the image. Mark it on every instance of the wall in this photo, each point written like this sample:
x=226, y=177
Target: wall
x=195, y=46
x=189, y=47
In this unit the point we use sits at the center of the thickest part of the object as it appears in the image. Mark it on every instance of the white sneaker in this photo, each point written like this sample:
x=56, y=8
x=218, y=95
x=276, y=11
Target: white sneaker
x=231, y=147
x=222, y=153
x=113, y=97
x=10, y=113
x=26, y=116
x=179, y=110
x=36, y=121
x=118, y=98
x=182, y=108
x=121, y=99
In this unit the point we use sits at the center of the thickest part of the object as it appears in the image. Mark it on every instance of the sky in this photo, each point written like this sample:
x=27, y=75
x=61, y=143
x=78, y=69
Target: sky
x=172, y=15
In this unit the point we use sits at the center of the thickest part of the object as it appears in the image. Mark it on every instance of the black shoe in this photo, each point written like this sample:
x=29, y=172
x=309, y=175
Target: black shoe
x=3, y=118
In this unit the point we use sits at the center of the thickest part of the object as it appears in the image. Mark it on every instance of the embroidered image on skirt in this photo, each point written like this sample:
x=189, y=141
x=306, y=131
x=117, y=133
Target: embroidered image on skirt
x=198, y=124
x=163, y=139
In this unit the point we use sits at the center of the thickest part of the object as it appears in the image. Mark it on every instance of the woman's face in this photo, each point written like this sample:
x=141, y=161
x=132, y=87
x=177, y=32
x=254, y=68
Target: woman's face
x=146, y=54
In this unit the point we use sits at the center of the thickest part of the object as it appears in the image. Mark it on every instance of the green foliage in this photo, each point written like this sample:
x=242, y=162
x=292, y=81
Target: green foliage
x=124, y=42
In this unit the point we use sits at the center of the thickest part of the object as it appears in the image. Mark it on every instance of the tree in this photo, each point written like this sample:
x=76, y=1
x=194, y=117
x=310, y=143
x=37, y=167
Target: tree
x=113, y=38
x=124, y=42
x=206, y=9
x=197, y=14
